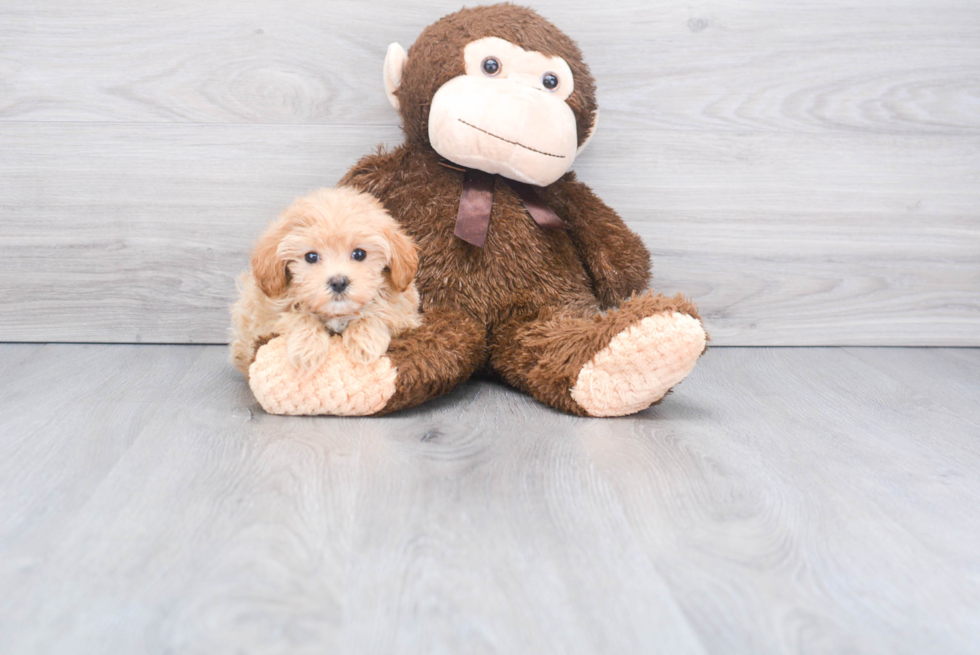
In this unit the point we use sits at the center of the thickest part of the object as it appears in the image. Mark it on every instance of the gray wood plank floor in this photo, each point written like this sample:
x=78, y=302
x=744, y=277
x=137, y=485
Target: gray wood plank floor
x=780, y=501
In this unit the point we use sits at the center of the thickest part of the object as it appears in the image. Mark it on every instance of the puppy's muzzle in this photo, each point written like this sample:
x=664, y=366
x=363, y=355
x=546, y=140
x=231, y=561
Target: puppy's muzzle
x=338, y=283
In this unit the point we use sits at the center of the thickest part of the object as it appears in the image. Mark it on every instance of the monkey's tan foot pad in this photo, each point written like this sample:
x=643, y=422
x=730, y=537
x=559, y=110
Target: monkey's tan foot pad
x=339, y=387
x=640, y=365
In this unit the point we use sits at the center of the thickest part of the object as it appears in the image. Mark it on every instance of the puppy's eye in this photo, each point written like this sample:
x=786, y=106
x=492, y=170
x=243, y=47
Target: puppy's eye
x=312, y=258
x=490, y=66
x=358, y=255
x=549, y=81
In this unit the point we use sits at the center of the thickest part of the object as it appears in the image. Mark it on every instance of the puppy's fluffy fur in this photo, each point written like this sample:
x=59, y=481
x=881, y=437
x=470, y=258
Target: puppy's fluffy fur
x=284, y=294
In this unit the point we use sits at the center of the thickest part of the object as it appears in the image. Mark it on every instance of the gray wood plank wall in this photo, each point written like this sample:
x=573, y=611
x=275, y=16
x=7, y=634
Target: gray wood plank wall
x=809, y=172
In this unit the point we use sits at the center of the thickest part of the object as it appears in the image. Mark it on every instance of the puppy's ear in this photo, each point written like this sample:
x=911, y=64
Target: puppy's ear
x=268, y=267
x=404, y=259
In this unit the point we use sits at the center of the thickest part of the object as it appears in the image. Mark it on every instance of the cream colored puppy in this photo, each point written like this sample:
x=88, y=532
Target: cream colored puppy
x=335, y=262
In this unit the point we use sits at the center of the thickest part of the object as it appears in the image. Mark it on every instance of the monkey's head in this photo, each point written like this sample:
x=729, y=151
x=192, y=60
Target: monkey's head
x=495, y=88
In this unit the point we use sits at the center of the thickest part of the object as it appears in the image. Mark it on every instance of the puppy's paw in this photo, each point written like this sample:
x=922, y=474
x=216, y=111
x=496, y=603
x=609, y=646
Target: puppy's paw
x=307, y=347
x=366, y=341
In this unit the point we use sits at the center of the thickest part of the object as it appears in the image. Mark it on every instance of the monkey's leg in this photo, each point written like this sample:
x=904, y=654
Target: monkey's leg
x=609, y=364
x=419, y=365
x=432, y=359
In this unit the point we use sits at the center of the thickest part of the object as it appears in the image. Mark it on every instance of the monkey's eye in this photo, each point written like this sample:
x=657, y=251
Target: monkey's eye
x=312, y=258
x=358, y=255
x=490, y=66
x=550, y=81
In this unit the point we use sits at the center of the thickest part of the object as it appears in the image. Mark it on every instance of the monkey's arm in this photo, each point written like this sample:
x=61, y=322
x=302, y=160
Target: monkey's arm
x=614, y=255
x=373, y=173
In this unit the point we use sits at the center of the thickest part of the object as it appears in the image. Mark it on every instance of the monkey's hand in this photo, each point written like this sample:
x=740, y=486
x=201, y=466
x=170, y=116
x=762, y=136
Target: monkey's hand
x=614, y=256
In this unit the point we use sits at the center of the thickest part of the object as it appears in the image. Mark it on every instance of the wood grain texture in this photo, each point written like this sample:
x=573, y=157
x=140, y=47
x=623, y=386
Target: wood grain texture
x=135, y=233
x=68, y=416
x=857, y=486
x=808, y=172
x=732, y=65
x=779, y=501
x=945, y=376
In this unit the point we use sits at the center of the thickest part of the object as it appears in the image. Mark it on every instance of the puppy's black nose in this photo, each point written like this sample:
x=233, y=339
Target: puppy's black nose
x=338, y=283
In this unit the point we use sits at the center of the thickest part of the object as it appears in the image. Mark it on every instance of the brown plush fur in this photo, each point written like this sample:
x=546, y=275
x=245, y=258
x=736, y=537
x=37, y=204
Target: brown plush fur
x=526, y=305
x=529, y=304
x=543, y=354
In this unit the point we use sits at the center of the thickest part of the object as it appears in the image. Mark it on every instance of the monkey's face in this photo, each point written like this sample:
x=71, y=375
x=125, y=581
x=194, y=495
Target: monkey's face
x=507, y=114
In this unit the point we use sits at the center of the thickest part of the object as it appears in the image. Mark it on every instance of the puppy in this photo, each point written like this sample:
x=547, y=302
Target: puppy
x=335, y=262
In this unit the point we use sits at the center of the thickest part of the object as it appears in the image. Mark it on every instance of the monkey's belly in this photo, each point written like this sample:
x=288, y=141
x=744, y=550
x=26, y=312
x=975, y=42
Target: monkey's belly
x=521, y=267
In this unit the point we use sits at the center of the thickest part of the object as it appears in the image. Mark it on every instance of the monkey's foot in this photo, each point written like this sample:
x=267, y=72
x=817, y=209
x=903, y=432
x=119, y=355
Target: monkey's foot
x=640, y=365
x=339, y=387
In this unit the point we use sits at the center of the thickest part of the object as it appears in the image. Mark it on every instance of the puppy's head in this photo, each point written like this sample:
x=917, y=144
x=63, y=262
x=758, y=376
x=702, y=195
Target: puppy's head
x=332, y=252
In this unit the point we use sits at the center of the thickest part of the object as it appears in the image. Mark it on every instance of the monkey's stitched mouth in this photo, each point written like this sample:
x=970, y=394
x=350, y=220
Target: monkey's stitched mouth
x=513, y=143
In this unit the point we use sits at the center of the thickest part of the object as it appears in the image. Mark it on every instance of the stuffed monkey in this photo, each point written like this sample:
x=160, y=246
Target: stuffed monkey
x=524, y=272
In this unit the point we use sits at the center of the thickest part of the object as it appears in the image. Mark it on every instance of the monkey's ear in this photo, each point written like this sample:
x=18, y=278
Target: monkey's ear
x=595, y=122
x=394, y=65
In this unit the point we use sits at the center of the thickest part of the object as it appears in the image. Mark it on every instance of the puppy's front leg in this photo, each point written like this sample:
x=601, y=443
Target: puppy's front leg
x=366, y=339
x=307, y=340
